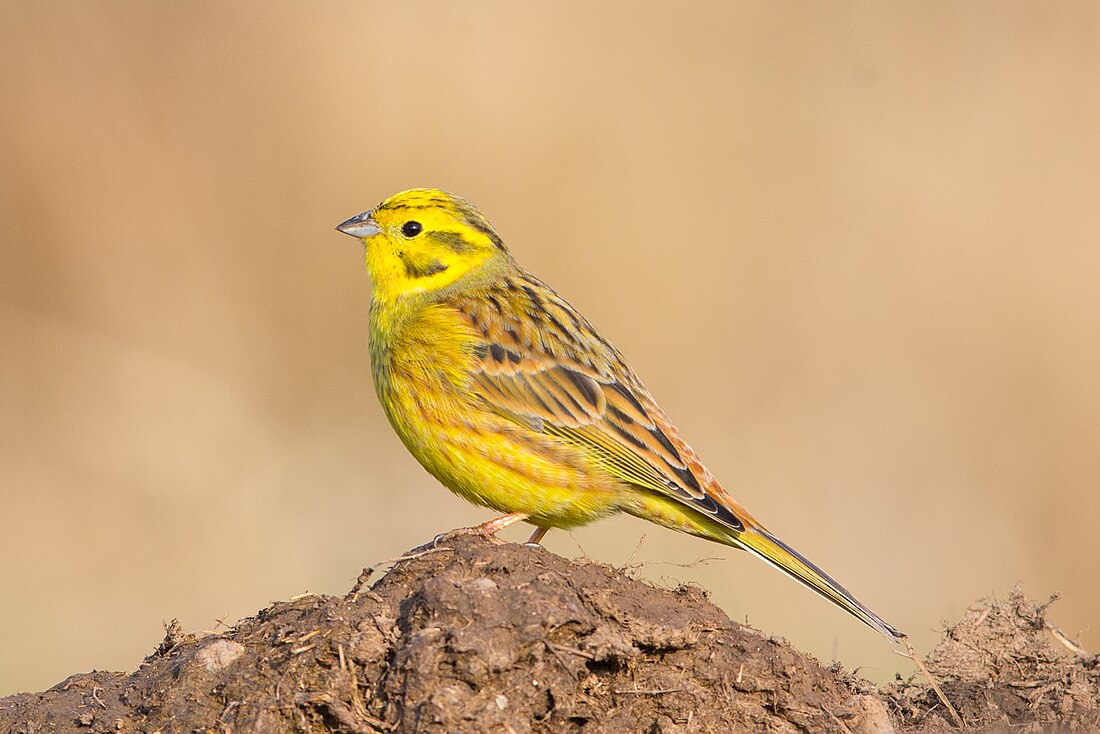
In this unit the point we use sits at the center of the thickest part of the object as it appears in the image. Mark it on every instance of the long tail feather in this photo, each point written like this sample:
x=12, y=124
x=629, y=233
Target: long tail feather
x=777, y=553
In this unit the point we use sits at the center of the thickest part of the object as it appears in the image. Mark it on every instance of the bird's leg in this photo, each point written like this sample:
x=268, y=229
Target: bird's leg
x=487, y=530
x=497, y=524
x=537, y=536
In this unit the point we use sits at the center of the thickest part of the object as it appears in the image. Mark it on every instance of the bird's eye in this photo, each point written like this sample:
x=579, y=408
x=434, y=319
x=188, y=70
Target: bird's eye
x=411, y=229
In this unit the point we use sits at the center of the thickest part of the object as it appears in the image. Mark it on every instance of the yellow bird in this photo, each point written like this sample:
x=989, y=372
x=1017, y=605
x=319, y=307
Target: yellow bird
x=510, y=398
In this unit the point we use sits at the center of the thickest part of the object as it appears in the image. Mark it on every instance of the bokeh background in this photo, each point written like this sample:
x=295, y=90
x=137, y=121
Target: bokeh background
x=853, y=248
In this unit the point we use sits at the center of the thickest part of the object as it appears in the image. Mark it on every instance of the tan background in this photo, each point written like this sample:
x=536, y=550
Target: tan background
x=852, y=248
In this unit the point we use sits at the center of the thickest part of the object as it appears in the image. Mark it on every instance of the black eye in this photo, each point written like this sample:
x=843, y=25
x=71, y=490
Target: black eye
x=411, y=229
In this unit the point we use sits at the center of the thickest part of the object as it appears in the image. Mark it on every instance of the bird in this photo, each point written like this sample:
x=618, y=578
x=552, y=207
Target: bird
x=510, y=398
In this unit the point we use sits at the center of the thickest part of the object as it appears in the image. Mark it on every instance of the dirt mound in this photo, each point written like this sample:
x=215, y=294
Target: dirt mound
x=1006, y=667
x=477, y=637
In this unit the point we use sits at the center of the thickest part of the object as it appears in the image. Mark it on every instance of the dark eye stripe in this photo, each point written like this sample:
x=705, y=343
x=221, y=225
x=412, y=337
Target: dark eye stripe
x=453, y=240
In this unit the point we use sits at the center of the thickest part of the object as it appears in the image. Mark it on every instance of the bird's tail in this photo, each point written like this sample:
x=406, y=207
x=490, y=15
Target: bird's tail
x=777, y=553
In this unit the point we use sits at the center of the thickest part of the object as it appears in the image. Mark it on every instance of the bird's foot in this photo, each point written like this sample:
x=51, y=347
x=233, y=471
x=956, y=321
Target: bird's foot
x=487, y=530
x=535, y=541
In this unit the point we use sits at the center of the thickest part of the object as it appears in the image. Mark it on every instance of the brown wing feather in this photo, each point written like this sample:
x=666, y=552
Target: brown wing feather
x=544, y=366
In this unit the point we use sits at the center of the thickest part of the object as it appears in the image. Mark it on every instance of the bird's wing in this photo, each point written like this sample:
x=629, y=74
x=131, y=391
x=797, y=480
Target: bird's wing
x=538, y=362
x=569, y=382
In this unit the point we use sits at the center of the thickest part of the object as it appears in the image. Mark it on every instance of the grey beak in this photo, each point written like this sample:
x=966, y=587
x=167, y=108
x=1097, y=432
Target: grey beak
x=360, y=226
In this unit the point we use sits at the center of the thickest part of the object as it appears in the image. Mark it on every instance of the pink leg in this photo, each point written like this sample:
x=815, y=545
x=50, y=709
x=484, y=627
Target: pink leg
x=537, y=536
x=487, y=530
x=495, y=525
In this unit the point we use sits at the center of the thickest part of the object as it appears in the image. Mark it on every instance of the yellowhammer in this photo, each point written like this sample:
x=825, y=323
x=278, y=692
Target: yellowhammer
x=508, y=396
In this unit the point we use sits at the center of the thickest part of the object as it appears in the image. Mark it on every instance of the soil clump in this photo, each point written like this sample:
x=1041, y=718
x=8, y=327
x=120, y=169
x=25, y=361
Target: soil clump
x=473, y=636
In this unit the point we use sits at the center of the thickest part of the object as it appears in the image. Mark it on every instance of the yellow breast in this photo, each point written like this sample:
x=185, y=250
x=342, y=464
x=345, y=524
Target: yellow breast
x=422, y=360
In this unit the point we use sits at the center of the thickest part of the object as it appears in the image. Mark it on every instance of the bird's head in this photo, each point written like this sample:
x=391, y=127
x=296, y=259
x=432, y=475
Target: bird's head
x=424, y=240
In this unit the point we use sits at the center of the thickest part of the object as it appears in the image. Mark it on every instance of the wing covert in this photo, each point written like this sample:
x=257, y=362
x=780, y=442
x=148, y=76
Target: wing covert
x=536, y=373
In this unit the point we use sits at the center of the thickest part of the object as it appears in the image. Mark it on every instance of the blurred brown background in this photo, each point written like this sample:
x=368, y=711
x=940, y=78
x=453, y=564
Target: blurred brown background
x=852, y=248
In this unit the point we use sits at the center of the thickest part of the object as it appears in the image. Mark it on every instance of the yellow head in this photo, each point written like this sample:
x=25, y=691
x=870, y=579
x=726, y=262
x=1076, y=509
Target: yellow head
x=424, y=240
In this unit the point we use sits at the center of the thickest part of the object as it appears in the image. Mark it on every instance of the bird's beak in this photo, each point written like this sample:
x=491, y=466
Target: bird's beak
x=360, y=226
